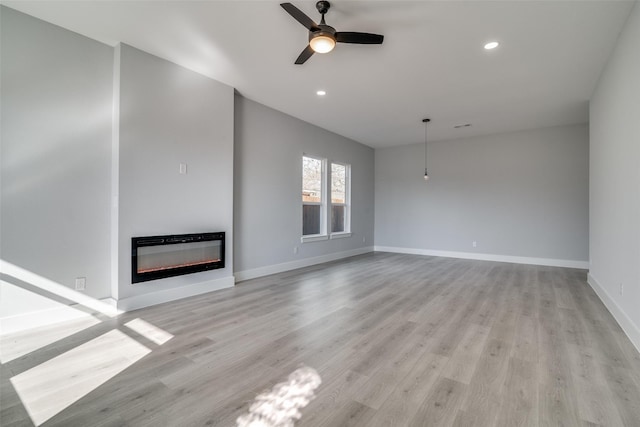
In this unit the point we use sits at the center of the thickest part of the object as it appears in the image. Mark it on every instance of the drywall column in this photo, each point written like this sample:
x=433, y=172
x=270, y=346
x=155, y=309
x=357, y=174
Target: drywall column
x=170, y=116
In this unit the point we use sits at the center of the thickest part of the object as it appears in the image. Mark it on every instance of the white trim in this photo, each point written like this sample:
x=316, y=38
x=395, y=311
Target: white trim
x=323, y=193
x=551, y=262
x=339, y=235
x=115, y=174
x=50, y=316
x=313, y=238
x=630, y=329
x=173, y=294
x=347, y=198
x=292, y=265
x=112, y=302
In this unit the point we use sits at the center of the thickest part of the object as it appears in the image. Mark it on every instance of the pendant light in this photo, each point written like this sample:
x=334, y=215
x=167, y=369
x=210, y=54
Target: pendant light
x=426, y=175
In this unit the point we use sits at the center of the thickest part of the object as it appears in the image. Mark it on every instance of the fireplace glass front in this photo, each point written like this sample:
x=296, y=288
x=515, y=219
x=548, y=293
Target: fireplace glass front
x=172, y=255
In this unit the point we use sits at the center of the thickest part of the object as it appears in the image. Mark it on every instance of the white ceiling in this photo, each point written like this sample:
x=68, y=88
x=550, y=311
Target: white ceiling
x=432, y=63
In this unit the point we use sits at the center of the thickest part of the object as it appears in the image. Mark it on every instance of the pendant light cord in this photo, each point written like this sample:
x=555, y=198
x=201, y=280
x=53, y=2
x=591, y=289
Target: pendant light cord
x=425, y=147
x=425, y=121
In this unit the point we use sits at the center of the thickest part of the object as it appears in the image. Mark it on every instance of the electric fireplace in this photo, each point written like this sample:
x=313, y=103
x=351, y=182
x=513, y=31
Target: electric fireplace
x=157, y=257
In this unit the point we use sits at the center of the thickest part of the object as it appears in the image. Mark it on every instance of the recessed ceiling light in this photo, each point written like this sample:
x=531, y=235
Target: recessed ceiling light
x=321, y=93
x=491, y=45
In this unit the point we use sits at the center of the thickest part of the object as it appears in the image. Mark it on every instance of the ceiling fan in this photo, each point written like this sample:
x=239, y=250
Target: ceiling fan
x=323, y=37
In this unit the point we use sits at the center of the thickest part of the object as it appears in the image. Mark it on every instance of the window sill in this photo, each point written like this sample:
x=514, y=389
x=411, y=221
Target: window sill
x=340, y=235
x=314, y=238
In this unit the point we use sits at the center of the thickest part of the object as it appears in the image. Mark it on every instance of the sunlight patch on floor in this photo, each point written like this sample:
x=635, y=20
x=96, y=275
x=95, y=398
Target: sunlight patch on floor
x=57, y=289
x=49, y=388
x=280, y=406
x=18, y=344
x=149, y=331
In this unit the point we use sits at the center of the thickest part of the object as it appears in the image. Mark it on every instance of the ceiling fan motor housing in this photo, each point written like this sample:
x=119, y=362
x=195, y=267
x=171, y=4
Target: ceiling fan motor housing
x=325, y=30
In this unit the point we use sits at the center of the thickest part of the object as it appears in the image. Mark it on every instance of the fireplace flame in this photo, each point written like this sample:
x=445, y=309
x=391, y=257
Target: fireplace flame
x=169, y=267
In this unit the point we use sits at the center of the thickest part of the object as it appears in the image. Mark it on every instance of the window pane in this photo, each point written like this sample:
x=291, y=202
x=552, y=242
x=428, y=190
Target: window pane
x=311, y=180
x=337, y=218
x=310, y=219
x=338, y=183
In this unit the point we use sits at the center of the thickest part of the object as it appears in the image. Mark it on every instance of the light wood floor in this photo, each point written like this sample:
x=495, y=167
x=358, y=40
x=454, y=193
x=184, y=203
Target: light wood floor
x=399, y=340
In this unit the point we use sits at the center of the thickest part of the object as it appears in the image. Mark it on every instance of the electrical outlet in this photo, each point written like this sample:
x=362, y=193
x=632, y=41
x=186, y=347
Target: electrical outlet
x=621, y=289
x=295, y=250
x=474, y=244
x=81, y=283
x=183, y=168
x=364, y=240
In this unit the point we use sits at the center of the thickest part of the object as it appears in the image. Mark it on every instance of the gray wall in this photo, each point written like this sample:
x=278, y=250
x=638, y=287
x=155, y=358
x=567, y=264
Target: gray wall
x=170, y=115
x=615, y=181
x=56, y=147
x=268, y=168
x=521, y=194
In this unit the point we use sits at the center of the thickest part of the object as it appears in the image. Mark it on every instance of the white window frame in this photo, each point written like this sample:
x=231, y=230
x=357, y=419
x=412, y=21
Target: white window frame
x=326, y=204
x=323, y=203
x=346, y=204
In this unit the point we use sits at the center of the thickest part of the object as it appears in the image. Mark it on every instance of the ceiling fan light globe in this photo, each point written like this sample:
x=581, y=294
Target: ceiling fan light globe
x=322, y=44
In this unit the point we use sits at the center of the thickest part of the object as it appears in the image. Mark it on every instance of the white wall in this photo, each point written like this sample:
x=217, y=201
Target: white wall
x=170, y=115
x=522, y=195
x=268, y=184
x=615, y=181
x=56, y=141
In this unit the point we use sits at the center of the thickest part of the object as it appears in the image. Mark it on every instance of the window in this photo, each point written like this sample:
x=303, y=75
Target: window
x=339, y=198
x=325, y=200
x=313, y=206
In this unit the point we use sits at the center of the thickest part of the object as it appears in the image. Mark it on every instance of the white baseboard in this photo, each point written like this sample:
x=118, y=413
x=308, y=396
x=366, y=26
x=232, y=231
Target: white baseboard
x=292, y=265
x=39, y=318
x=167, y=295
x=487, y=257
x=631, y=329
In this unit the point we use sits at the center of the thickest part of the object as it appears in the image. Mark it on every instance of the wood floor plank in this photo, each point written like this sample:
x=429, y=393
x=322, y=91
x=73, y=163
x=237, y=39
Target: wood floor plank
x=382, y=382
x=482, y=404
x=407, y=398
x=525, y=345
x=336, y=391
x=557, y=407
x=462, y=363
x=351, y=414
x=441, y=407
x=595, y=402
x=626, y=392
x=519, y=405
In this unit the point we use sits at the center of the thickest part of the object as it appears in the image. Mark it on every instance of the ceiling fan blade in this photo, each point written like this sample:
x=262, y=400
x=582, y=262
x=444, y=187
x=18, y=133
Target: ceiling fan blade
x=299, y=16
x=359, y=38
x=306, y=54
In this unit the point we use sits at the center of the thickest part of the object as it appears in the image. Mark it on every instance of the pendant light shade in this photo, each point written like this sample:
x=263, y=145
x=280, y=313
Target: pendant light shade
x=426, y=175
